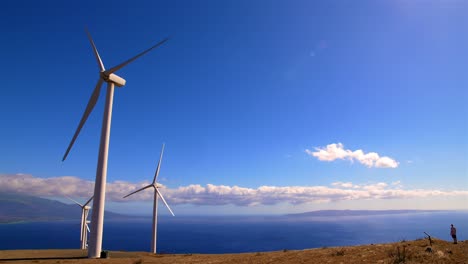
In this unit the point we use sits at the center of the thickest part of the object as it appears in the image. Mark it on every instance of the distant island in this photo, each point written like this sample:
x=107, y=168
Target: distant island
x=21, y=208
x=329, y=213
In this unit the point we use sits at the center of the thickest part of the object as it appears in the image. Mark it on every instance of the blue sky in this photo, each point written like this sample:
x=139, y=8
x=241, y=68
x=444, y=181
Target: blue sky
x=238, y=94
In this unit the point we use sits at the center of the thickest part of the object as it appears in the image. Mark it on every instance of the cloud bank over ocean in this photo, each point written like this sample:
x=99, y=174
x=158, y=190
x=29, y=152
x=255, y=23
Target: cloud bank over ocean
x=213, y=195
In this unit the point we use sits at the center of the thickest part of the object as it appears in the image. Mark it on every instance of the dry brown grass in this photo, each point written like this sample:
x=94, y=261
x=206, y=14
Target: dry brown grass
x=400, y=252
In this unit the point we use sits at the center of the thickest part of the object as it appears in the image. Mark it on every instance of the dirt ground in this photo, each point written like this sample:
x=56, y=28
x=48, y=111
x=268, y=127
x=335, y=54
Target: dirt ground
x=418, y=251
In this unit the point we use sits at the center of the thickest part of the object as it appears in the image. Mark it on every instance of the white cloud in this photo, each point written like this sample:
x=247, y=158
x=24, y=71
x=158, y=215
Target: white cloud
x=397, y=183
x=343, y=184
x=386, y=162
x=219, y=194
x=336, y=151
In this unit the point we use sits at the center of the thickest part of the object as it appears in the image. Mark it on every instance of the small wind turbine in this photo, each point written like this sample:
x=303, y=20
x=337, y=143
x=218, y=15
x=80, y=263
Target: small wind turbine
x=157, y=193
x=84, y=222
x=111, y=79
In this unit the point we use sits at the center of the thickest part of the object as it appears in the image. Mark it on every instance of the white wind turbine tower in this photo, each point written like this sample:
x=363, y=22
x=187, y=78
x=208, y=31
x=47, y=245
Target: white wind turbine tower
x=112, y=80
x=84, y=221
x=157, y=193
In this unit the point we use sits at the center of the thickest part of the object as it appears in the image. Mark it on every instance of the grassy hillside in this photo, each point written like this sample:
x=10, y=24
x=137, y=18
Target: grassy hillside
x=418, y=251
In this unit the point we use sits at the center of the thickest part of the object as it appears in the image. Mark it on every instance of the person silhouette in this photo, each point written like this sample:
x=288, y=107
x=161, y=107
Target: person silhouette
x=453, y=233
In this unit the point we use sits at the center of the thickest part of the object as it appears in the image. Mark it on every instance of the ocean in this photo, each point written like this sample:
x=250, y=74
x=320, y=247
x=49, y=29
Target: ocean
x=236, y=234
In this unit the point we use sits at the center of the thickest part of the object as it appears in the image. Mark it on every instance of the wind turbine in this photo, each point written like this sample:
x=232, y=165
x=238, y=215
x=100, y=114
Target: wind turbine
x=157, y=193
x=84, y=221
x=112, y=80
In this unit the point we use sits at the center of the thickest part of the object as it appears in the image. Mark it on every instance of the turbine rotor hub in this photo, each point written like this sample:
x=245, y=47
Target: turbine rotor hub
x=114, y=78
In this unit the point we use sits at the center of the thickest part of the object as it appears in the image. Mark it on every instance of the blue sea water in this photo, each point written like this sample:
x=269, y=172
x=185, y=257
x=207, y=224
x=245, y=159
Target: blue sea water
x=233, y=234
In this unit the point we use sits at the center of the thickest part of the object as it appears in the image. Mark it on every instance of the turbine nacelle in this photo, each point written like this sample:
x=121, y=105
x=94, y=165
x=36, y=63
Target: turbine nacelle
x=117, y=80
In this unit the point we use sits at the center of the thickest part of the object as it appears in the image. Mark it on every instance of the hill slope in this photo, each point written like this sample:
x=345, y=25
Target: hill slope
x=18, y=207
x=419, y=251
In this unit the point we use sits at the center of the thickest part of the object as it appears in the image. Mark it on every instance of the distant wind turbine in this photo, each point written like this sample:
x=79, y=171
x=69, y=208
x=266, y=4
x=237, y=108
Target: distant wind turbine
x=111, y=79
x=84, y=221
x=157, y=193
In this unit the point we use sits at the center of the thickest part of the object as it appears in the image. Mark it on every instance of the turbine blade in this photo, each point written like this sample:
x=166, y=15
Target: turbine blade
x=146, y=187
x=96, y=53
x=83, y=233
x=123, y=64
x=164, y=200
x=69, y=198
x=91, y=103
x=82, y=223
x=88, y=201
x=159, y=165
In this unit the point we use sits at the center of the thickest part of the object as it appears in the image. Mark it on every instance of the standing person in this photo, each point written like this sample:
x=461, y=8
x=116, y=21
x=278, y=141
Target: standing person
x=453, y=233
